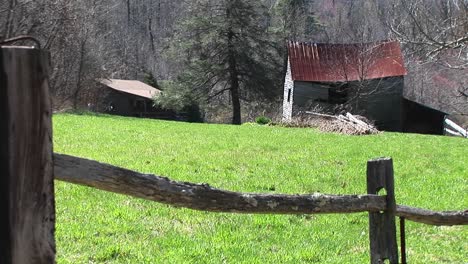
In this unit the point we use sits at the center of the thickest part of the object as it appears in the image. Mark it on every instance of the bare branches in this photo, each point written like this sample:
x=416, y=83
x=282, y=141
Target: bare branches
x=436, y=30
x=435, y=41
x=454, y=44
x=463, y=92
x=21, y=38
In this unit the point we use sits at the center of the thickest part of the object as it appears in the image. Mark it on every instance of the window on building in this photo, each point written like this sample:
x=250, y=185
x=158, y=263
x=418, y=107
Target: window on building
x=289, y=95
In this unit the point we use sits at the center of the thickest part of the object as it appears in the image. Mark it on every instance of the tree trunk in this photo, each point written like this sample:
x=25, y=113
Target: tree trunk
x=76, y=93
x=150, y=32
x=128, y=12
x=233, y=75
x=236, y=109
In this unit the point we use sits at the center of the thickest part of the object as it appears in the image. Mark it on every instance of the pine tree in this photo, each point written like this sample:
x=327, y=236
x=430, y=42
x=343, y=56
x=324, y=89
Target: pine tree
x=225, y=47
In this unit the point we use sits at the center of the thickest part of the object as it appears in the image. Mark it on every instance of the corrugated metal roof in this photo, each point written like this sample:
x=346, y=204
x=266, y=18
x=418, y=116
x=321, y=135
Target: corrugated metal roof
x=131, y=87
x=319, y=62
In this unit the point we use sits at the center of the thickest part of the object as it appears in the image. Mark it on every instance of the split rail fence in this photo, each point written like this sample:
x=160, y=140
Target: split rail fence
x=28, y=168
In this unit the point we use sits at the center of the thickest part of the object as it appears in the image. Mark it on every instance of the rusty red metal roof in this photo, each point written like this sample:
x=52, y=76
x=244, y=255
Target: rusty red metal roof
x=320, y=62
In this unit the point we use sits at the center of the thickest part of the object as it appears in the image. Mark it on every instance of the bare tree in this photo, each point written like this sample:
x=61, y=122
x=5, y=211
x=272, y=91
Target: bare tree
x=435, y=37
x=435, y=30
x=90, y=39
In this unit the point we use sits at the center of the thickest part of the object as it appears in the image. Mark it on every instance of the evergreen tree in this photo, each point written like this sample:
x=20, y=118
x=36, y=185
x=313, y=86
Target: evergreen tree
x=225, y=47
x=149, y=79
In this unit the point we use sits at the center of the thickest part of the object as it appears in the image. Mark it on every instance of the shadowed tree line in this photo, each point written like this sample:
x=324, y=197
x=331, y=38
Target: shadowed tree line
x=231, y=53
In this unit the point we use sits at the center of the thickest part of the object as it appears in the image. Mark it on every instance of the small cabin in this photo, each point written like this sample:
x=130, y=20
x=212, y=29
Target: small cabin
x=366, y=78
x=132, y=98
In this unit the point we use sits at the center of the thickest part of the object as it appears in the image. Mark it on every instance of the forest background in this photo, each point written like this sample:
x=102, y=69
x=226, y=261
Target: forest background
x=167, y=43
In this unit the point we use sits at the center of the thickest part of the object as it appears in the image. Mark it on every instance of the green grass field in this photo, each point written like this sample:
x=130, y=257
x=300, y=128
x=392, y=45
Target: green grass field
x=99, y=227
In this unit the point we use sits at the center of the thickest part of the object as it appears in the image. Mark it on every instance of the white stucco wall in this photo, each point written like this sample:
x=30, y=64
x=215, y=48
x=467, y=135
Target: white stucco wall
x=288, y=84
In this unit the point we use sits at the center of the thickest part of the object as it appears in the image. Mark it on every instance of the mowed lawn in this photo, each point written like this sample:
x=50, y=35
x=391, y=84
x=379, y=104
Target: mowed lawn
x=94, y=226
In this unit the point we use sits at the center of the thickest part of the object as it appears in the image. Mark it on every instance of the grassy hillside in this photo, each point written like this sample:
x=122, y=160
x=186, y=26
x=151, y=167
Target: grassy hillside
x=98, y=227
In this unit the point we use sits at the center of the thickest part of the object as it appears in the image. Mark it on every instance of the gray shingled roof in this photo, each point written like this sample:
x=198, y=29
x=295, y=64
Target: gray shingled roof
x=131, y=87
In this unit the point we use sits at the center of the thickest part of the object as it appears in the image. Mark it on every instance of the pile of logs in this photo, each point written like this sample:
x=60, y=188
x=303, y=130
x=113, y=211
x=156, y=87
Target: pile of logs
x=345, y=124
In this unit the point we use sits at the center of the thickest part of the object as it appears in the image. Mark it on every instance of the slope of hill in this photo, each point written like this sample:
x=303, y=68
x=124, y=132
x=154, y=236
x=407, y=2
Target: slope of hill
x=95, y=226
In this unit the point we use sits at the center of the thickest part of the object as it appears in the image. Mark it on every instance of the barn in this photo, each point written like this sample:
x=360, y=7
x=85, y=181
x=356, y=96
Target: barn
x=422, y=119
x=363, y=78
x=131, y=98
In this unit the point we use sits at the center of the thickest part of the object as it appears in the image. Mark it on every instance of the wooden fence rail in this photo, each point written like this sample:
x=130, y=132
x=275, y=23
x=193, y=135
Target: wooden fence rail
x=203, y=197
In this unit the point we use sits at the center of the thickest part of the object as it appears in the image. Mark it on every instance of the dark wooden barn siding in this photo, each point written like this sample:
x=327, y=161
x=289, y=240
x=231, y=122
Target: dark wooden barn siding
x=308, y=92
x=126, y=104
x=122, y=103
x=384, y=106
x=422, y=119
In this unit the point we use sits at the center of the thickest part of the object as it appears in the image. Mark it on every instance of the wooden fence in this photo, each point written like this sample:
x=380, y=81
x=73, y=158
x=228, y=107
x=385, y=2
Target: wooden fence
x=28, y=165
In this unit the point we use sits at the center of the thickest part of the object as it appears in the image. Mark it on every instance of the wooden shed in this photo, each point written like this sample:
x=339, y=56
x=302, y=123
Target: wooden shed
x=422, y=119
x=367, y=78
x=132, y=98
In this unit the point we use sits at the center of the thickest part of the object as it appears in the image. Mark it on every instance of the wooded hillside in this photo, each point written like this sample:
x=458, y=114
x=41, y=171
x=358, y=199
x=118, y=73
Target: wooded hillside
x=130, y=40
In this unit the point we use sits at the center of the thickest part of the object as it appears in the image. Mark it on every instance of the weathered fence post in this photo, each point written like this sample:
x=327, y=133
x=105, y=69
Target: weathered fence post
x=26, y=166
x=382, y=229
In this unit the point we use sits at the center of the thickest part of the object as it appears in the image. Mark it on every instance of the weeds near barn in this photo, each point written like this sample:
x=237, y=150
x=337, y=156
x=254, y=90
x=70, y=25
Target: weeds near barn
x=99, y=227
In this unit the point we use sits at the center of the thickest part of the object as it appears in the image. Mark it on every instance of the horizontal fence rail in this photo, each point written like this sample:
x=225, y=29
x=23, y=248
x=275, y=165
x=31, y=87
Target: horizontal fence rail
x=203, y=197
x=439, y=218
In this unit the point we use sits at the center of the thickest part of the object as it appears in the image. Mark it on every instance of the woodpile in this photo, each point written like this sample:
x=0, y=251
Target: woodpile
x=345, y=124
